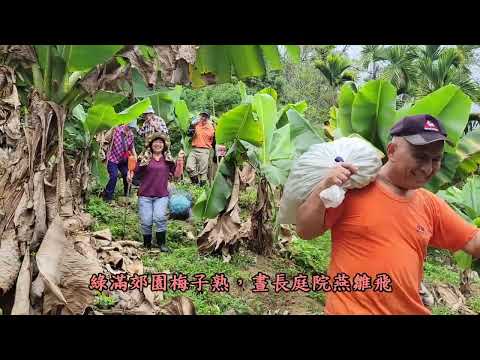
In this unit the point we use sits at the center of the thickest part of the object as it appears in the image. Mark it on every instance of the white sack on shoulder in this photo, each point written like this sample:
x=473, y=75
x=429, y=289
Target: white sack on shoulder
x=315, y=164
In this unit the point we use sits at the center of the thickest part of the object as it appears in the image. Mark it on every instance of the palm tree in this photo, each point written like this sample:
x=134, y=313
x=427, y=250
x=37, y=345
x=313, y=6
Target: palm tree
x=370, y=56
x=400, y=69
x=334, y=68
x=440, y=66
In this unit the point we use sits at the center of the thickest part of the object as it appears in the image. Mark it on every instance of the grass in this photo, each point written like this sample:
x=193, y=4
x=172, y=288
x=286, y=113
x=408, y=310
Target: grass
x=113, y=217
x=247, y=198
x=437, y=273
x=474, y=304
x=185, y=259
x=312, y=255
x=105, y=301
x=441, y=310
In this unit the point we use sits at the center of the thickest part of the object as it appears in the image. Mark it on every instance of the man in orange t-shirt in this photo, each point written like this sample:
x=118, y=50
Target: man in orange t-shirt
x=380, y=233
x=203, y=134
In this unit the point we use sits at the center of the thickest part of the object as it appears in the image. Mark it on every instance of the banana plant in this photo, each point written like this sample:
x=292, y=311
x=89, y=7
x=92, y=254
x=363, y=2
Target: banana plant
x=371, y=112
x=466, y=202
x=81, y=128
x=252, y=129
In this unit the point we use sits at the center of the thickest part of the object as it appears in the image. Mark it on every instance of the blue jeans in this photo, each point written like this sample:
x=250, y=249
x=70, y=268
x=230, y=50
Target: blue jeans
x=113, y=172
x=153, y=210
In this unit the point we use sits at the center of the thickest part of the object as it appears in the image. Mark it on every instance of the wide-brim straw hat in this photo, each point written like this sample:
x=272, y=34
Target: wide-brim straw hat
x=151, y=138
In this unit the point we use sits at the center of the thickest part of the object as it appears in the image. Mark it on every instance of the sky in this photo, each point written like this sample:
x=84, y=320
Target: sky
x=353, y=52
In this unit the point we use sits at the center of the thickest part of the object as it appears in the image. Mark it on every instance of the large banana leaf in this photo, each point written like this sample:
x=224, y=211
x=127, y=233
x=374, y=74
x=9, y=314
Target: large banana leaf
x=182, y=118
x=108, y=98
x=220, y=62
x=299, y=107
x=471, y=194
x=239, y=124
x=344, y=114
x=84, y=57
x=163, y=103
x=182, y=114
x=466, y=203
x=272, y=56
x=469, y=145
x=102, y=116
x=460, y=162
x=277, y=168
x=294, y=52
x=302, y=133
x=450, y=105
x=446, y=173
x=265, y=109
x=373, y=110
x=247, y=60
x=277, y=172
x=215, y=198
x=269, y=91
x=282, y=148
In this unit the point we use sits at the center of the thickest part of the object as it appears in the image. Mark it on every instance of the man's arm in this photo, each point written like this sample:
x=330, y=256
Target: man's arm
x=473, y=246
x=311, y=214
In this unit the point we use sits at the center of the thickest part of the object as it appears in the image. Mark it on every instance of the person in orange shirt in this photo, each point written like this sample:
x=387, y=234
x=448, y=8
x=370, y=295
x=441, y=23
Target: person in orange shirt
x=380, y=233
x=203, y=134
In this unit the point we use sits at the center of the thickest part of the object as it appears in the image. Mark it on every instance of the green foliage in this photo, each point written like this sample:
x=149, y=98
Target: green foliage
x=441, y=310
x=239, y=124
x=334, y=69
x=84, y=57
x=112, y=216
x=417, y=71
x=184, y=258
x=400, y=69
x=256, y=121
x=217, y=63
x=216, y=99
x=303, y=82
x=102, y=116
x=215, y=197
x=247, y=198
x=467, y=203
x=371, y=113
x=312, y=255
x=439, y=273
x=105, y=301
x=474, y=304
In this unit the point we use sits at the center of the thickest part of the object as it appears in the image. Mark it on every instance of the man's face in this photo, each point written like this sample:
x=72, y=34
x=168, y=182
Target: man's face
x=203, y=117
x=415, y=165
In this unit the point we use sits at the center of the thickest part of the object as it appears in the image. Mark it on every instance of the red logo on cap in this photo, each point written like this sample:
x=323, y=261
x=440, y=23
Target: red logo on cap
x=430, y=126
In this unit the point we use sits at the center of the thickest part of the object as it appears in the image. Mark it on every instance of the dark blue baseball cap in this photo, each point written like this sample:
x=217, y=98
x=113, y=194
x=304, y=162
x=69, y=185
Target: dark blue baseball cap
x=420, y=130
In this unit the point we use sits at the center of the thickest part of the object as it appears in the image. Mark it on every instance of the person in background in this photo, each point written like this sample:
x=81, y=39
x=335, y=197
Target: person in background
x=121, y=147
x=203, y=133
x=179, y=166
x=152, y=124
x=153, y=194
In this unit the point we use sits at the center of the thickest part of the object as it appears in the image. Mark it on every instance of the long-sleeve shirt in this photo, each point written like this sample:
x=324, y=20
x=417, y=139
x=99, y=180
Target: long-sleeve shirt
x=119, y=147
x=155, y=177
x=153, y=126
